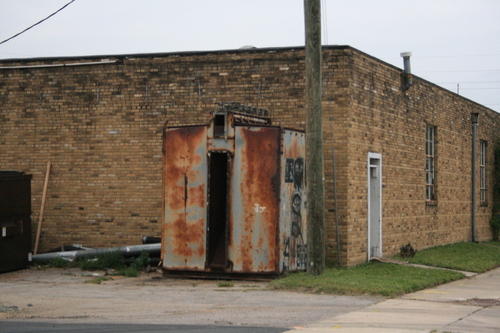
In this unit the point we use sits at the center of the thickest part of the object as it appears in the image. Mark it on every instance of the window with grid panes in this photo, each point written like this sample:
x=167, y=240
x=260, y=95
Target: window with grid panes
x=482, y=171
x=430, y=150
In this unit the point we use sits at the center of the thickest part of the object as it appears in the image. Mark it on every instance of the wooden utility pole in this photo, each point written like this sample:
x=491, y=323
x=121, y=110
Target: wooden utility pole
x=314, y=141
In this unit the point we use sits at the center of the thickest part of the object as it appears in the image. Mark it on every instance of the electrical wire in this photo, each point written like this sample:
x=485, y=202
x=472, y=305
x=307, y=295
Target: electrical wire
x=498, y=88
x=66, y=5
x=459, y=56
x=448, y=56
x=325, y=22
x=468, y=82
x=466, y=71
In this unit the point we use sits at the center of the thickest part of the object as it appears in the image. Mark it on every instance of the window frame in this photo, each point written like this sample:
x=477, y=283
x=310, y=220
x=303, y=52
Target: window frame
x=430, y=163
x=483, y=146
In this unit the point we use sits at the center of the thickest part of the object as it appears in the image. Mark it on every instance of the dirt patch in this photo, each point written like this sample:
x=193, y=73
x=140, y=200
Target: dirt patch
x=4, y=308
x=485, y=302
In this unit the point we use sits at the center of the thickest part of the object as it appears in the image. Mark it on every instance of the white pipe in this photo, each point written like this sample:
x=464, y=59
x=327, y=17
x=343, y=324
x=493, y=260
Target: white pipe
x=408, y=79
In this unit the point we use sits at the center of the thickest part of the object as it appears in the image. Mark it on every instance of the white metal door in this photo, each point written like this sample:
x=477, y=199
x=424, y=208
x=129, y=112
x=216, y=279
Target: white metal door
x=374, y=205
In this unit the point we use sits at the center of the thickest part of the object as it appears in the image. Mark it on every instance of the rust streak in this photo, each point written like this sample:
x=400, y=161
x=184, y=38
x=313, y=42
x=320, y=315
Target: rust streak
x=185, y=234
x=180, y=158
x=259, y=186
x=184, y=193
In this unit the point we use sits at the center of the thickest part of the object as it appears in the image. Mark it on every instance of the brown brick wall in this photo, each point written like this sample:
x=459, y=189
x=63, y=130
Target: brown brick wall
x=100, y=126
x=385, y=120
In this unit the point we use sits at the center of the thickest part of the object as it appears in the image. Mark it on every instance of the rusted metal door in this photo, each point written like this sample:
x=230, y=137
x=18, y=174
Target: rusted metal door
x=254, y=200
x=185, y=181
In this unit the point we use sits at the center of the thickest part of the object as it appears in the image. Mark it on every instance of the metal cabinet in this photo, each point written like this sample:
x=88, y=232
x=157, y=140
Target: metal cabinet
x=15, y=220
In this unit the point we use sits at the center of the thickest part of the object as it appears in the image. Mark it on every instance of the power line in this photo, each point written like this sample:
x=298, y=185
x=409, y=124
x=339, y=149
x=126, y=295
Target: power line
x=466, y=71
x=497, y=88
x=468, y=82
x=458, y=56
x=325, y=21
x=66, y=5
x=449, y=56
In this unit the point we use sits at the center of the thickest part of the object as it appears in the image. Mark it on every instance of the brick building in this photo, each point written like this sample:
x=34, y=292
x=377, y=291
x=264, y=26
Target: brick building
x=99, y=121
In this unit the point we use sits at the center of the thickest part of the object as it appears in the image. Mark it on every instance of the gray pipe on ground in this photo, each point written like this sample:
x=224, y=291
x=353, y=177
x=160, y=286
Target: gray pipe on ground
x=150, y=240
x=127, y=251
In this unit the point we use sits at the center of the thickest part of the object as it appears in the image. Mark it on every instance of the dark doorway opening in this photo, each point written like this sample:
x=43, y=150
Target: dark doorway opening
x=218, y=181
x=219, y=126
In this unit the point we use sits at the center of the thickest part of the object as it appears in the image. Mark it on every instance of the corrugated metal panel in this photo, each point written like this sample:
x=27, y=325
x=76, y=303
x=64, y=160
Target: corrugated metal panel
x=185, y=181
x=254, y=200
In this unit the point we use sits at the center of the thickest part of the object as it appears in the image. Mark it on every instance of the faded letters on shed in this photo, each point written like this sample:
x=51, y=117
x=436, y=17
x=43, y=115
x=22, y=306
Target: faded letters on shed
x=234, y=196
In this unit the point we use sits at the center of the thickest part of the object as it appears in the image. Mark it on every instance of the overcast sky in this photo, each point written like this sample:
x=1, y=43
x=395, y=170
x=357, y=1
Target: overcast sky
x=455, y=43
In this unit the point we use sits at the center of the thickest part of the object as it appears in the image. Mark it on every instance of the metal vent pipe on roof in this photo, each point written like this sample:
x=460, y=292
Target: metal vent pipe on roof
x=407, y=76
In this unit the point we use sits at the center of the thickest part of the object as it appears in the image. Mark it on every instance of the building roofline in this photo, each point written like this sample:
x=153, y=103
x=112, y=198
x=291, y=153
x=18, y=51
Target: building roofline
x=170, y=54
x=120, y=57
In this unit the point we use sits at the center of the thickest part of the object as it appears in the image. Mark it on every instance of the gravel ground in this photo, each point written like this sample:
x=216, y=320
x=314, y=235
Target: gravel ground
x=64, y=295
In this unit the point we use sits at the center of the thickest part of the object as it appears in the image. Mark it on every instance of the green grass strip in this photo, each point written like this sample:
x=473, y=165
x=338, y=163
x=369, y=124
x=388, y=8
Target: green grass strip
x=388, y=280
x=470, y=257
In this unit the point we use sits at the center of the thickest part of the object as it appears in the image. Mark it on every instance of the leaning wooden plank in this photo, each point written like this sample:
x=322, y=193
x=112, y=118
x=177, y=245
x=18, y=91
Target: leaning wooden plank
x=40, y=218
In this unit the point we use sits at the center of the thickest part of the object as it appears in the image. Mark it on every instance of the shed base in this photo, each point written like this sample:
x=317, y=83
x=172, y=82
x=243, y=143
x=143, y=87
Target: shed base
x=218, y=275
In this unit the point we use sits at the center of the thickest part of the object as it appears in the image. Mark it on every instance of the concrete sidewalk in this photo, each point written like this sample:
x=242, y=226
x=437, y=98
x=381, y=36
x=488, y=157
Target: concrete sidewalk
x=467, y=305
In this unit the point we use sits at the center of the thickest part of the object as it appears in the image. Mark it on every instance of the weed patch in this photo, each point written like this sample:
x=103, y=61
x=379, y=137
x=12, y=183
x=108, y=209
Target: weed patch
x=107, y=261
x=225, y=284
x=110, y=260
x=60, y=263
x=99, y=280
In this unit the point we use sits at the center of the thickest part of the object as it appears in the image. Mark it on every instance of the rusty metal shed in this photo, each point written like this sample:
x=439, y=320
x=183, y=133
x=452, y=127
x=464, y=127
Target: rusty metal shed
x=234, y=196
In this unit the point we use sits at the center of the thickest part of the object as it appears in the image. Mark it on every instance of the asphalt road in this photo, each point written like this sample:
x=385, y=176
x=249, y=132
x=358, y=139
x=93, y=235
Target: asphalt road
x=29, y=327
